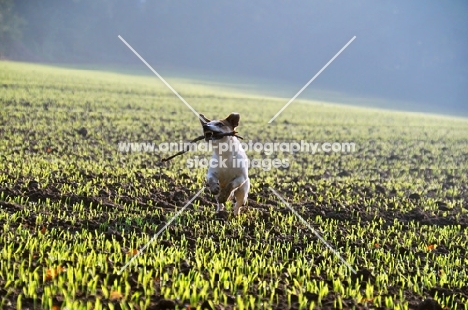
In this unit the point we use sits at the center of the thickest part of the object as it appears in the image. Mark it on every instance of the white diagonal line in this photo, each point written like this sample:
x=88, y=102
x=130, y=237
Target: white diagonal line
x=161, y=230
x=311, y=80
x=313, y=230
x=160, y=77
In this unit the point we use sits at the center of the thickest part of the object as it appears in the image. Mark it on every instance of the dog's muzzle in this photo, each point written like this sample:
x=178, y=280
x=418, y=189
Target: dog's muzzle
x=210, y=134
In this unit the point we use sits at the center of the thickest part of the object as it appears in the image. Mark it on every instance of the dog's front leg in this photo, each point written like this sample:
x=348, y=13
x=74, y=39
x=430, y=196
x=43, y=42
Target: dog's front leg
x=213, y=184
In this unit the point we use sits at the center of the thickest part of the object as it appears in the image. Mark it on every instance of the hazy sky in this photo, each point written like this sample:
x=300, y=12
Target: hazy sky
x=405, y=50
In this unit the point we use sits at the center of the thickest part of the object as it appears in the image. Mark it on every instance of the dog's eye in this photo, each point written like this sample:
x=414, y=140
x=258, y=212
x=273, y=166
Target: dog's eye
x=219, y=125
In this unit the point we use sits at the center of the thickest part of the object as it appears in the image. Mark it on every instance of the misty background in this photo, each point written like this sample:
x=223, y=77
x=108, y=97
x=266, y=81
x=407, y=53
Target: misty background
x=409, y=55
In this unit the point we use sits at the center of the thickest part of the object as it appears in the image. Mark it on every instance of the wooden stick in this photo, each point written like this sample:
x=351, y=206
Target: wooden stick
x=233, y=133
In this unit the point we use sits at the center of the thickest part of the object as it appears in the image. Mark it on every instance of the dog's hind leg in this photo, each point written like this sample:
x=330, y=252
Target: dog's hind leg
x=226, y=192
x=241, y=196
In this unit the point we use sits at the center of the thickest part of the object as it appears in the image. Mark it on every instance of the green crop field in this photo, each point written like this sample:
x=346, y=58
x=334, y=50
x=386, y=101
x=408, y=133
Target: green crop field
x=75, y=208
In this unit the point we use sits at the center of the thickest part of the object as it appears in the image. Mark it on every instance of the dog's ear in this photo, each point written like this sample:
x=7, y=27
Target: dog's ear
x=203, y=119
x=233, y=119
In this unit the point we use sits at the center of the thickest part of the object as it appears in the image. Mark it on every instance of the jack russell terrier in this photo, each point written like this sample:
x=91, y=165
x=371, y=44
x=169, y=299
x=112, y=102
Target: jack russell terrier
x=228, y=170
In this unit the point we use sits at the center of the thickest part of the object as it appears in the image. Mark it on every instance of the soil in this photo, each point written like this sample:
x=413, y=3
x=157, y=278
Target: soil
x=179, y=195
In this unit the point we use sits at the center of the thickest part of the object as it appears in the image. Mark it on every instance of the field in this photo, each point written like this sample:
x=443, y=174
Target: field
x=74, y=209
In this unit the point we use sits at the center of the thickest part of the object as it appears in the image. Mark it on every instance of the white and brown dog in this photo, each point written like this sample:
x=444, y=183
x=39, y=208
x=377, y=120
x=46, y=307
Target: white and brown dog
x=228, y=170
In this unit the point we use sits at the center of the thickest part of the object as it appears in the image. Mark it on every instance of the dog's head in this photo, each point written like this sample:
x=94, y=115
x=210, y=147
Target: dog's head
x=214, y=129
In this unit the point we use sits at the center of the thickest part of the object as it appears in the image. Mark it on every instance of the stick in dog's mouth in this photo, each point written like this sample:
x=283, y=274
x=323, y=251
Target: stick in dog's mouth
x=212, y=135
x=208, y=135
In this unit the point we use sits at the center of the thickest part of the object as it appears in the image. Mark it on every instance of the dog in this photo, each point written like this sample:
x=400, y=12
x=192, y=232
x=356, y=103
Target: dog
x=227, y=175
